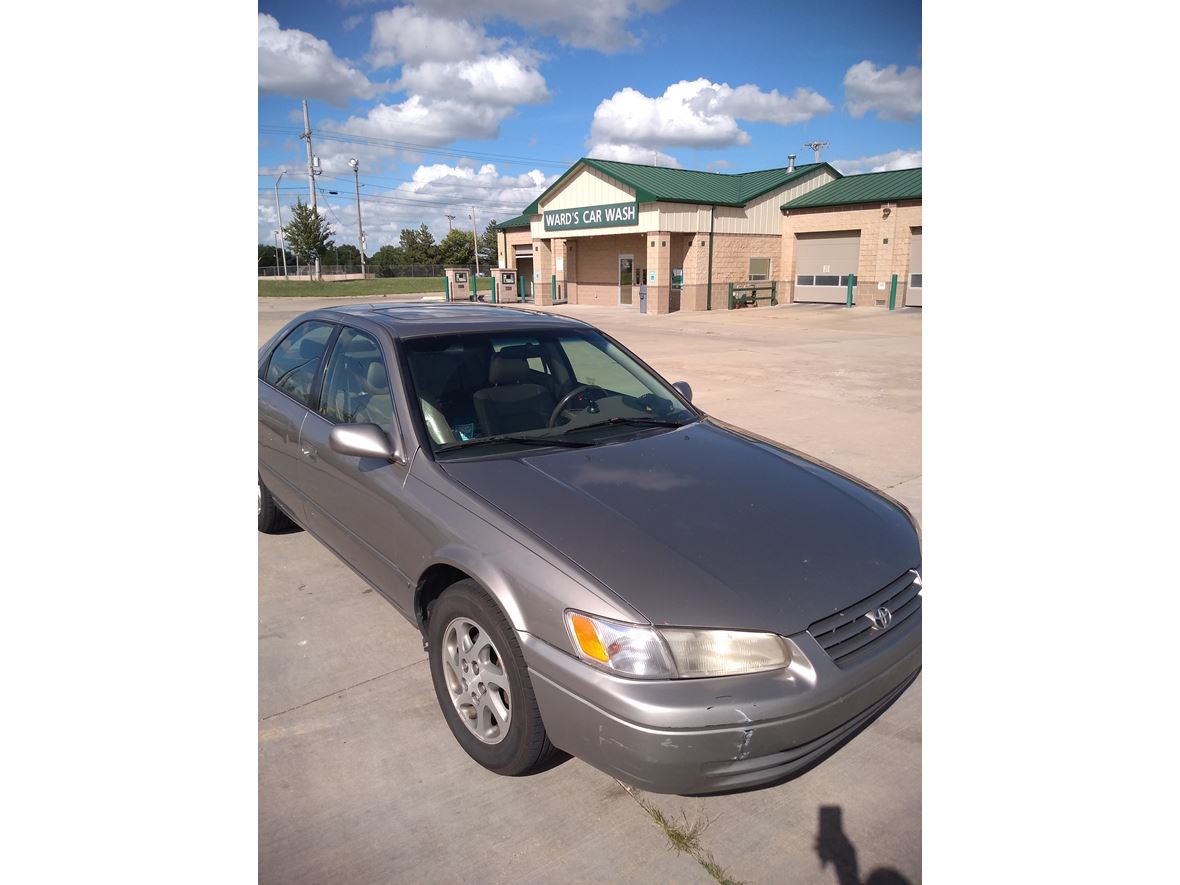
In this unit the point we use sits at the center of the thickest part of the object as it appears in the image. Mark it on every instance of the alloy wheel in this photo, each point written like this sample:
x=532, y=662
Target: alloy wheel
x=476, y=680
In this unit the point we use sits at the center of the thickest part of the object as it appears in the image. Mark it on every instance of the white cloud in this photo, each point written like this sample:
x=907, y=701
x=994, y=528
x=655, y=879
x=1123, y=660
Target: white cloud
x=894, y=95
x=407, y=35
x=631, y=153
x=495, y=79
x=898, y=159
x=697, y=113
x=427, y=122
x=434, y=191
x=353, y=21
x=459, y=82
x=604, y=25
x=300, y=65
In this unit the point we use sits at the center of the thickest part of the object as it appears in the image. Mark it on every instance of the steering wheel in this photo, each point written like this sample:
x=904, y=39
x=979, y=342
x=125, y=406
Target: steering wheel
x=563, y=403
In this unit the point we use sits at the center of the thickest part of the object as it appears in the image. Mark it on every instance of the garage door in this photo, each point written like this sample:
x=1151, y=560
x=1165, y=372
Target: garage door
x=823, y=263
x=913, y=292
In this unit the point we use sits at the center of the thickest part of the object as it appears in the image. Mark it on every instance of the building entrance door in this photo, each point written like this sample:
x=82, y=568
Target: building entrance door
x=626, y=278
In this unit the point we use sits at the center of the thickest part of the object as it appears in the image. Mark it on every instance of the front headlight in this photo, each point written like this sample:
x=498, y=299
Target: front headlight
x=673, y=652
x=724, y=652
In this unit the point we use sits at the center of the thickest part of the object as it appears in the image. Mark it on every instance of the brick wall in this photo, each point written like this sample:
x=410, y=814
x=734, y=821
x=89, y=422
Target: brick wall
x=595, y=268
x=884, y=244
x=513, y=238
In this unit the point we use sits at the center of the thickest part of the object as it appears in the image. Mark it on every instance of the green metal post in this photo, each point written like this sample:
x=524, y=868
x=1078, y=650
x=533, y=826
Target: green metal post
x=447, y=287
x=893, y=292
x=553, y=287
x=493, y=290
x=730, y=297
x=773, y=293
x=851, y=283
x=474, y=288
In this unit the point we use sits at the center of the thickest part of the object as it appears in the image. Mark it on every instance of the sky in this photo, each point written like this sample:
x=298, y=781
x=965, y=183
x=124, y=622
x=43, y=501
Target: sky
x=451, y=106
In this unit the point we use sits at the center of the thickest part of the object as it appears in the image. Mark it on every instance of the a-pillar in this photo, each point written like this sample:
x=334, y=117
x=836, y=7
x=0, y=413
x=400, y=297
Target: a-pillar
x=659, y=272
x=543, y=268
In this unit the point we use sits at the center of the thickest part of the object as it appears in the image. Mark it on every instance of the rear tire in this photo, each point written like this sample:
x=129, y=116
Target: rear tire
x=496, y=722
x=271, y=520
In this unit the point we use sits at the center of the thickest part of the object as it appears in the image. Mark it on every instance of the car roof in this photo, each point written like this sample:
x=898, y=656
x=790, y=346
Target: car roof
x=415, y=320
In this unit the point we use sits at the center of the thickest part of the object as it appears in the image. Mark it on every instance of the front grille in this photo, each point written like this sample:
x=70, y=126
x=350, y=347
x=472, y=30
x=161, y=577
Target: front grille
x=847, y=635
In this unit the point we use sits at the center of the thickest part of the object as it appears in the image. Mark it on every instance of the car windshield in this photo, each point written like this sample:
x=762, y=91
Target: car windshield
x=496, y=390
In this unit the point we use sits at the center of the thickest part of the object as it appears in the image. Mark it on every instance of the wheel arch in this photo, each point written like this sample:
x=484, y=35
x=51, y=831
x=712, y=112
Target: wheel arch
x=453, y=564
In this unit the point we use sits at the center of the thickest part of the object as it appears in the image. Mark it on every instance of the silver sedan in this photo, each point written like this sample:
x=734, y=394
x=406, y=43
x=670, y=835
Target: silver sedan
x=594, y=564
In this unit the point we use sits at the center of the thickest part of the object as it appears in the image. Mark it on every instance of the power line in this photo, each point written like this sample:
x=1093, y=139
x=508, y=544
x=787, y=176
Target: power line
x=375, y=141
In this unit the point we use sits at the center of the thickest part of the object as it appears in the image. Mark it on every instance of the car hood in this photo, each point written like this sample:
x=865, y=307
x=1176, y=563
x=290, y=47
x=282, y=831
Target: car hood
x=699, y=526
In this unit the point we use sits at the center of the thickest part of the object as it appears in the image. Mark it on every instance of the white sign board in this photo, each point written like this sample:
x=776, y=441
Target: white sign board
x=560, y=265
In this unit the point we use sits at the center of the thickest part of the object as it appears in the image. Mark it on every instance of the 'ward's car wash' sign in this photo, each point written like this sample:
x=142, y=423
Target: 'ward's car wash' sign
x=592, y=216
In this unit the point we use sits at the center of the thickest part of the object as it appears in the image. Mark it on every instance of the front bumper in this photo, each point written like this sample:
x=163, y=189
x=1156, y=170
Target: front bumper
x=708, y=735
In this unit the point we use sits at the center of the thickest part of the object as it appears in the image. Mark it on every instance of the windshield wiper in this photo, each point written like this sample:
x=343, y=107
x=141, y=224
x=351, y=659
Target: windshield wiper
x=654, y=422
x=509, y=438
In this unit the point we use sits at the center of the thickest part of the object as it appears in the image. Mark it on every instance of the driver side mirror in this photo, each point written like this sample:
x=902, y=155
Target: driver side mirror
x=363, y=441
x=684, y=388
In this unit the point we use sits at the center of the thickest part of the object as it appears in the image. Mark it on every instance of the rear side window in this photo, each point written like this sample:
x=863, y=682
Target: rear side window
x=294, y=362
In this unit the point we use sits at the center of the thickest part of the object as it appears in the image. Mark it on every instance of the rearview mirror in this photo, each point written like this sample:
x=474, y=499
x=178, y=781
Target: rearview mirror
x=685, y=389
x=362, y=440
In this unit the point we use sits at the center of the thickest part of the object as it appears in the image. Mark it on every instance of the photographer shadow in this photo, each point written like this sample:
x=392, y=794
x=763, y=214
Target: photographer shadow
x=833, y=846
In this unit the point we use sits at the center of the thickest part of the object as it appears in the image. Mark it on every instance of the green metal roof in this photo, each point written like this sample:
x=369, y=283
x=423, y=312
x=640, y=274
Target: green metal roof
x=652, y=183
x=873, y=187
x=513, y=223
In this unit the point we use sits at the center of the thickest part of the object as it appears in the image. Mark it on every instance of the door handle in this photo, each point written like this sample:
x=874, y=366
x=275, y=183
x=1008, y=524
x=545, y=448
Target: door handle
x=308, y=450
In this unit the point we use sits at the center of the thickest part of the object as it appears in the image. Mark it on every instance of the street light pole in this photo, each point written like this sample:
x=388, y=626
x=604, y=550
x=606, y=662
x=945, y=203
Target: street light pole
x=360, y=234
x=475, y=241
x=276, y=253
x=279, y=211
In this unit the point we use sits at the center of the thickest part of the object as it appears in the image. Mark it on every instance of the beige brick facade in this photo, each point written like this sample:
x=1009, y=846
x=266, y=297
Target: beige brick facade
x=884, y=244
x=509, y=239
x=590, y=258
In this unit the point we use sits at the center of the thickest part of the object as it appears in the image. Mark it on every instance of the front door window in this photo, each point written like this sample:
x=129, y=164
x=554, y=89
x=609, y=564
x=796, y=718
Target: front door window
x=626, y=274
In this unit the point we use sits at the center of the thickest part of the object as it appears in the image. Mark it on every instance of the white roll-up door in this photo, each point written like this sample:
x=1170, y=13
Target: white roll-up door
x=913, y=292
x=823, y=263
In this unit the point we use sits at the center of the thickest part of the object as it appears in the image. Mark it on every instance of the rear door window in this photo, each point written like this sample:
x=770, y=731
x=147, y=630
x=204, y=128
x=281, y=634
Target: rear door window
x=294, y=363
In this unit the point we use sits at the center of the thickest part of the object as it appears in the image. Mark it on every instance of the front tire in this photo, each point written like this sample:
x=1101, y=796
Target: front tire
x=482, y=683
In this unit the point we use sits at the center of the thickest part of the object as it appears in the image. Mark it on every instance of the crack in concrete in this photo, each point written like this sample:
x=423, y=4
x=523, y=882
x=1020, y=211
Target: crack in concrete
x=903, y=482
x=342, y=690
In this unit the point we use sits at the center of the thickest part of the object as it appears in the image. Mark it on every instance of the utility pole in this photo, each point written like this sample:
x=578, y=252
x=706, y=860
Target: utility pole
x=815, y=146
x=313, y=169
x=360, y=231
x=279, y=211
x=450, y=227
x=276, y=253
x=475, y=241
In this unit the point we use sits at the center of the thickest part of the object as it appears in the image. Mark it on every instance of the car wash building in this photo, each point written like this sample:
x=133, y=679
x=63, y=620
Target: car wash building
x=863, y=229
x=654, y=238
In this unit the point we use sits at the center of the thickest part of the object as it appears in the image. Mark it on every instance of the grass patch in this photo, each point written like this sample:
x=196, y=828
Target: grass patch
x=684, y=836
x=346, y=288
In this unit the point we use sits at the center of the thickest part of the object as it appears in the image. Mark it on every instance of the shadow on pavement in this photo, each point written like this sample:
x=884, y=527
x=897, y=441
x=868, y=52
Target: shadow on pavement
x=834, y=847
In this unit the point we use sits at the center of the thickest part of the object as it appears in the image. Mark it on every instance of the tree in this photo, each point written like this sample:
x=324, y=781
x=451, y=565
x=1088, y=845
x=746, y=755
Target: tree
x=418, y=246
x=456, y=249
x=489, y=244
x=308, y=233
x=269, y=256
x=348, y=254
x=389, y=256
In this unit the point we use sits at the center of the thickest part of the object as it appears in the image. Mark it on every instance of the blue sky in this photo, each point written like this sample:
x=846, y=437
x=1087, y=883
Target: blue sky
x=446, y=111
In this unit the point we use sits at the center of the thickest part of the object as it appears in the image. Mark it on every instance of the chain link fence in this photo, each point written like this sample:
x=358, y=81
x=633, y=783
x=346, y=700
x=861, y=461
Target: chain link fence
x=375, y=270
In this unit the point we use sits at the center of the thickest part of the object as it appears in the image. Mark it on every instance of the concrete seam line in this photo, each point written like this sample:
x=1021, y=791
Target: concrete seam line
x=346, y=688
x=683, y=839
